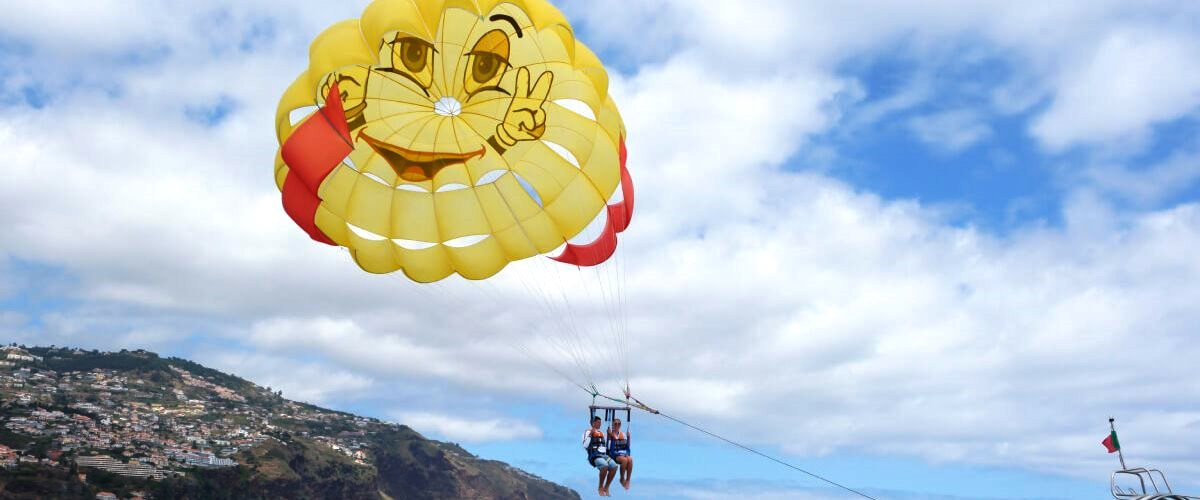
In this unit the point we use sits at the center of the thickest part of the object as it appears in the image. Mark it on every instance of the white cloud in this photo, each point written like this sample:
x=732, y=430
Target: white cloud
x=950, y=131
x=1148, y=186
x=755, y=292
x=465, y=430
x=309, y=382
x=1134, y=79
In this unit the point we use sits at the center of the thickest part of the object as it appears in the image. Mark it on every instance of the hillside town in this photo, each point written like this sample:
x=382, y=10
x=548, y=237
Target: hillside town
x=148, y=423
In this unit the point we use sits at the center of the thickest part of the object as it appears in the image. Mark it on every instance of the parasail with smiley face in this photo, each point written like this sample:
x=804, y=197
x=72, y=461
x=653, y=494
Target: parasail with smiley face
x=454, y=136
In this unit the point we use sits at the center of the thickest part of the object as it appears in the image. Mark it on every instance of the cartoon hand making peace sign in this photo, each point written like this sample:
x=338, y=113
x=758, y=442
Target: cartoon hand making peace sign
x=525, y=119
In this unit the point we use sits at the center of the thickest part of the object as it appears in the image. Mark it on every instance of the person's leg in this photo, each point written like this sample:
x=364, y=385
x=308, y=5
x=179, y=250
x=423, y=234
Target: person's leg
x=603, y=472
x=626, y=471
x=622, y=460
x=612, y=474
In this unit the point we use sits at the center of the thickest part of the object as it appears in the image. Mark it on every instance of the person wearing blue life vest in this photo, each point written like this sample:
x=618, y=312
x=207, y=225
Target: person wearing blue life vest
x=597, y=455
x=618, y=449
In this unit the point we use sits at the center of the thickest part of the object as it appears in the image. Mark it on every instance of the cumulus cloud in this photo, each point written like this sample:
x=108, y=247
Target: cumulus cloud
x=1133, y=80
x=465, y=430
x=311, y=382
x=950, y=131
x=772, y=290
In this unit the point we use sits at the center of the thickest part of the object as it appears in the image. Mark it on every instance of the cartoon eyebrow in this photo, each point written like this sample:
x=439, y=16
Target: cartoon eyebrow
x=513, y=22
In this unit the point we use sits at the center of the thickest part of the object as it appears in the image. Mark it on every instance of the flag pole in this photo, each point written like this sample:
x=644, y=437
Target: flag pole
x=1120, y=454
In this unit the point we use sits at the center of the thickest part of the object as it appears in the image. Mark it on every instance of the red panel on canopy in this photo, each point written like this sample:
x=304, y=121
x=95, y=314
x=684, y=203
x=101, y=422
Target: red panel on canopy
x=619, y=216
x=311, y=152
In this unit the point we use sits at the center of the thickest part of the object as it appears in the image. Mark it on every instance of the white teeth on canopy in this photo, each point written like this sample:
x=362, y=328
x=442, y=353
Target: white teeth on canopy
x=413, y=244
x=490, y=177
x=453, y=186
x=376, y=178
x=299, y=114
x=412, y=187
x=465, y=241
x=578, y=107
x=563, y=152
x=364, y=234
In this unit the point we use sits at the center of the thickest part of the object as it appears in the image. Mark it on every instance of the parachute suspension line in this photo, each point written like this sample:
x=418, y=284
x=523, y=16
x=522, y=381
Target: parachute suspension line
x=525, y=350
x=623, y=318
x=587, y=339
x=631, y=401
x=565, y=327
x=577, y=352
x=612, y=352
x=608, y=288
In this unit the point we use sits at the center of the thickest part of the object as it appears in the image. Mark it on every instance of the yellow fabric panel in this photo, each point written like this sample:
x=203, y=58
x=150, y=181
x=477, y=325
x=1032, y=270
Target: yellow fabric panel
x=610, y=120
x=519, y=202
x=504, y=199
x=384, y=86
x=383, y=17
x=576, y=207
x=533, y=236
x=479, y=115
x=299, y=94
x=392, y=110
x=603, y=167
x=281, y=171
x=459, y=214
x=543, y=178
x=338, y=46
x=548, y=186
x=445, y=138
x=480, y=260
x=575, y=86
x=337, y=188
x=413, y=217
x=373, y=256
x=495, y=208
x=426, y=265
x=366, y=160
x=538, y=156
x=332, y=225
x=367, y=206
x=550, y=47
x=570, y=130
x=458, y=28
x=590, y=65
x=454, y=174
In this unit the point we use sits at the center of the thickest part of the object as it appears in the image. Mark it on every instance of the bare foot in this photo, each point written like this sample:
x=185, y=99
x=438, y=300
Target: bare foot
x=600, y=491
x=625, y=483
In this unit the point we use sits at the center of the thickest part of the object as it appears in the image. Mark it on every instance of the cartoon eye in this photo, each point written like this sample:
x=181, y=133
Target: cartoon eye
x=412, y=58
x=485, y=67
x=414, y=55
x=487, y=61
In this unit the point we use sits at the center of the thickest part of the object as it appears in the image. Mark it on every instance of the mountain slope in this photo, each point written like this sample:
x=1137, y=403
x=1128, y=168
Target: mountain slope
x=77, y=423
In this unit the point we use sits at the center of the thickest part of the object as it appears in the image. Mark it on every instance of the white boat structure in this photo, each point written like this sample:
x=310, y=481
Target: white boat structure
x=1140, y=483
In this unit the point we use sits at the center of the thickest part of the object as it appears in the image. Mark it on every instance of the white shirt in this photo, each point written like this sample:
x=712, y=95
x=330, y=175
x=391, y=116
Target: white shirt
x=587, y=437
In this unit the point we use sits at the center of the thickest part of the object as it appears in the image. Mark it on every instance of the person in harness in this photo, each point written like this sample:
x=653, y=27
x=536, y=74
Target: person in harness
x=597, y=455
x=618, y=449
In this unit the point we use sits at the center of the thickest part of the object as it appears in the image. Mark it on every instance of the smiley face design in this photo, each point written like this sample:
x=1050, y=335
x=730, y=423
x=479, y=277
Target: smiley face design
x=475, y=133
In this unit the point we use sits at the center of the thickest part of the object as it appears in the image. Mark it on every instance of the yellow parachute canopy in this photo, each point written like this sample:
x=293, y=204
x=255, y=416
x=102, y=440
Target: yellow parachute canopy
x=452, y=136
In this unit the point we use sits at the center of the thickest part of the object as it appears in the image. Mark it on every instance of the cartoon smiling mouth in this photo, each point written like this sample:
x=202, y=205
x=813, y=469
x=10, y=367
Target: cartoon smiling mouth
x=416, y=166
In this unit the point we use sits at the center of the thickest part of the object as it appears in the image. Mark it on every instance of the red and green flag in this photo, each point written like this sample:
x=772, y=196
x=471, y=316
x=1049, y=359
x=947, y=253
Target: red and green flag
x=1111, y=442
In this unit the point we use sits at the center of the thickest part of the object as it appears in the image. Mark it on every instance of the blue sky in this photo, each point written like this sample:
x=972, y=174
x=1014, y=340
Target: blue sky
x=921, y=251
